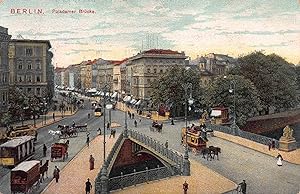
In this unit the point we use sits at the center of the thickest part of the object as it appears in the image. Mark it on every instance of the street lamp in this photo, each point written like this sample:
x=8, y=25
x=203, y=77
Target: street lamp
x=232, y=89
x=126, y=99
x=108, y=107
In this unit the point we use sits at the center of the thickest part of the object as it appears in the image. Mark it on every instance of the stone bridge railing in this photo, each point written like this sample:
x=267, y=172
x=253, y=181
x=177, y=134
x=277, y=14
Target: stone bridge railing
x=177, y=164
x=157, y=147
x=244, y=134
x=135, y=178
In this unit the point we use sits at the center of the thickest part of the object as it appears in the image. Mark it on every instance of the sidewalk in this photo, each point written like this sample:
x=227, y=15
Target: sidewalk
x=292, y=156
x=154, y=115
x=202, y=180
x=74, y=175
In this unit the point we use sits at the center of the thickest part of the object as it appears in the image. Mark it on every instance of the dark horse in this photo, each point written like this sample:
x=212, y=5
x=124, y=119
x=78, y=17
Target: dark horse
x=215, y=151
x=206, y=151
x=43, y=170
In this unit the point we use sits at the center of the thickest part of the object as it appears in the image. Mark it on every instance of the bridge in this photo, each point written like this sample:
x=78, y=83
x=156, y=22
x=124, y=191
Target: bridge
x=136, y=158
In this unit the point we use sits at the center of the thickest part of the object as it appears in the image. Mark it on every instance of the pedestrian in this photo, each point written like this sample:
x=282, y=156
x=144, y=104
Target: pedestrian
x=73, y=124
x=132, y=116
x=273, y=143
x=243, y=187
x=92, y=162
x=99, y=129
x=111, y=133
x=172, y=121
x=108, y=126
x=44, y=150
x=129, y=115
x=167, y=144
x=89, y=115
x=185, y=187
x=135, y=123
x=279, y=160
x=56, y=174
x=88, y=186
x=53, y=116
x=87, y=140
x=140, y=120
x=114, y=133
x=270, y=144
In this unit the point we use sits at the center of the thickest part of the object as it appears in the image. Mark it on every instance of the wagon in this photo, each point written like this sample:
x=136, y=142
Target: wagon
x=81, y=128
x=25, y=176
x=59, y=150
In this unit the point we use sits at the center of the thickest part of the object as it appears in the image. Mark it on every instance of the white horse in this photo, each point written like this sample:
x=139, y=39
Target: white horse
x=53, y=133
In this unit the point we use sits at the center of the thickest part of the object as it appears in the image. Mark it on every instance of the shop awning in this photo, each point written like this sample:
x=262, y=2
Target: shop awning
x=215, y=113
x=114, y=95
x=138, y=102
x=132, y=101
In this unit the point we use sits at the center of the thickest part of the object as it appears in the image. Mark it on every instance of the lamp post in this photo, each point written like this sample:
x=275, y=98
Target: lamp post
x=126, y=99
x=186, y=164
x=232, y=90
x=108, y=107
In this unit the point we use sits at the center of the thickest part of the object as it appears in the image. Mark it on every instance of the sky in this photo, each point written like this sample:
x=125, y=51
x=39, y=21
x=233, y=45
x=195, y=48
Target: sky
x=121, y=28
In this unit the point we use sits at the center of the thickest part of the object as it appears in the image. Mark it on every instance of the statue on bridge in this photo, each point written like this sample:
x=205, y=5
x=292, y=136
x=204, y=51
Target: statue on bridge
x=287, y=142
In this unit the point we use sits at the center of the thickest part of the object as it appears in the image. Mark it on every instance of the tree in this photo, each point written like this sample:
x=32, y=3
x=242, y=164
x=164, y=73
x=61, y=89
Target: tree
x=247, y=102
x=273, y=77
x=169, y=88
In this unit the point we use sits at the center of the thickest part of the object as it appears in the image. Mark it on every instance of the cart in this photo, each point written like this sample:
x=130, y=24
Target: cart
x=59, y=150
x=25, y=177
x=81, y=128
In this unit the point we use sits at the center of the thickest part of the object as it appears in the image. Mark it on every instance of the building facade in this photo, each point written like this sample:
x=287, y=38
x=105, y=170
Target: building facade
x=59, y=76
x=30, y=67
x=145, y=67
x=4, y=68
x=212, y=65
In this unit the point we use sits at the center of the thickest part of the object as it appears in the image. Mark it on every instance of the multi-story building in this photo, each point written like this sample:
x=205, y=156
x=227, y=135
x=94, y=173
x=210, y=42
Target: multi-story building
x=30, y=67
x=59, y=76
x=96, y=67
x=212, y=65
x=83, y=75
x=4, y=69
x=74, y=76
x=117, y=76
x=143, y=68
x=105, y=75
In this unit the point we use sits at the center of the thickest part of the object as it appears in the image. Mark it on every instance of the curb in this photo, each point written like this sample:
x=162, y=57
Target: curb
x=251, y=147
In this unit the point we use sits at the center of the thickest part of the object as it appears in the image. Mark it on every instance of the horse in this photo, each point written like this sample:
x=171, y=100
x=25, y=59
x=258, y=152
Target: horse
x=206, y=151
x=43, y=170
x=215, y=151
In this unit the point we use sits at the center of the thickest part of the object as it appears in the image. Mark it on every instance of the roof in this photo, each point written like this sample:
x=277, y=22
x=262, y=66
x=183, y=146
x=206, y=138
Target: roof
x=161, y=51
x=26, y=165
x=17, y=141
x=32, y=41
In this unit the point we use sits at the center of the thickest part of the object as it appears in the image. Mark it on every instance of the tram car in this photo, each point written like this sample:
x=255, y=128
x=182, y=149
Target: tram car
x=16, y=150
x=194, y=138
x=25, y=176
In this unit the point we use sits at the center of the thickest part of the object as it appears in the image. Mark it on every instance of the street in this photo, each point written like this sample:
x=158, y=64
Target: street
x=236, y=162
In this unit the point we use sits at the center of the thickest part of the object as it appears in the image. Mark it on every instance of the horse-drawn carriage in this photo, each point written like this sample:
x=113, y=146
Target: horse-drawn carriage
x=60, y=150
x=156, y=127
x=194, y=138
x=25, y=176
x=67, y=131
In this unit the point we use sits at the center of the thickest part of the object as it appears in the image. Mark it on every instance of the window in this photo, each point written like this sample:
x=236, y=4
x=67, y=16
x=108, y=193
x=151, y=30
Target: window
x=154, y=71
x=161, y=71
x=148, y=81
x=20, y=65
x=29, y=78
x=28, y=89
x=20, y=78
x=38, y=91
x=38, y=64
x=29, y=66
x=38, y=79
x=148, y=70
x=28, y=51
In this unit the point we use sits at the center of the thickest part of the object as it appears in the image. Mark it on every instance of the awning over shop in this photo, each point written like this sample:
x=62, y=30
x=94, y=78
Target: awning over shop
x=132, y=101
x=102, y=94
x=135, y=101
x=107, y=94
x=138, y=102
x=114, y=95
x=215, y=113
